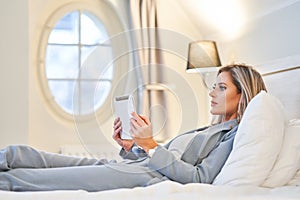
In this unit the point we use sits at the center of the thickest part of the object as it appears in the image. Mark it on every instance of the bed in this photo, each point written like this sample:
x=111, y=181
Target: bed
x=244, y=176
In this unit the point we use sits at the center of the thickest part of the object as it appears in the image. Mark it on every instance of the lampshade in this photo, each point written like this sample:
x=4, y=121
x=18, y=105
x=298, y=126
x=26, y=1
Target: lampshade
x=203, y=56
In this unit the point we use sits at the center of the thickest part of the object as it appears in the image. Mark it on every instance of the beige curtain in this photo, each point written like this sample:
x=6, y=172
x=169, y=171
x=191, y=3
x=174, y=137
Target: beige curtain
x=148, y=62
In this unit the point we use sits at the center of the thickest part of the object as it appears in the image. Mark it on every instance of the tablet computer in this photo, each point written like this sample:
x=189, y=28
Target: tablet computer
x=124, y=106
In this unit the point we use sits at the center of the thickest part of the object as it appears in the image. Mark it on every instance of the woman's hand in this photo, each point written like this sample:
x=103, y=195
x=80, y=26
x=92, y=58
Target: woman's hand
x=126, y=144
x=141, y=132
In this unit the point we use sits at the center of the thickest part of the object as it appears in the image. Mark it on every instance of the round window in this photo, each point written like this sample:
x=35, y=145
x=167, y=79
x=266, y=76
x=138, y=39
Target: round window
x=77, y=64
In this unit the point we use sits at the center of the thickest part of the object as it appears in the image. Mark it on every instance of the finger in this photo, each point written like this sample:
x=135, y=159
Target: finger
x=145, y=119
x=117, y=132
x=133, y=129
x=134, y=125
x=117, y=120
x=118, y=124
x=138, y=119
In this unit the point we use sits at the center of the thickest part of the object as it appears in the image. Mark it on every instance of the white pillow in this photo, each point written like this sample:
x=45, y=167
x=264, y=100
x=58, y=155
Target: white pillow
x=288, y=161
x=257, y=143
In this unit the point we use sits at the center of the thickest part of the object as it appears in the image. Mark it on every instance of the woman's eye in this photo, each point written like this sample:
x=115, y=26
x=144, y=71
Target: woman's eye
x=218, y=87
x=222, y=88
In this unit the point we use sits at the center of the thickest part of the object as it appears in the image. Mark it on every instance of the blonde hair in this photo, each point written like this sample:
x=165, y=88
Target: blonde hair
x=249, y=83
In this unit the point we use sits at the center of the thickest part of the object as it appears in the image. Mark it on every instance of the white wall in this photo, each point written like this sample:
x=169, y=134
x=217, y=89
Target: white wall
x=263, y=37
x=14, y=45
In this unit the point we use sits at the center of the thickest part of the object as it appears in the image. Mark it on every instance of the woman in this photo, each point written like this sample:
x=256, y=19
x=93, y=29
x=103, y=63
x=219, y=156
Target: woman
x=196, y=156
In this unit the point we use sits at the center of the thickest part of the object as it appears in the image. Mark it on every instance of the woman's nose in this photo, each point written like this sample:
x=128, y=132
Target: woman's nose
x=211, y=92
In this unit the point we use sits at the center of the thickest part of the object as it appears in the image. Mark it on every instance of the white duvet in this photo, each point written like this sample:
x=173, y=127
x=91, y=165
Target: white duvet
x=165, y=191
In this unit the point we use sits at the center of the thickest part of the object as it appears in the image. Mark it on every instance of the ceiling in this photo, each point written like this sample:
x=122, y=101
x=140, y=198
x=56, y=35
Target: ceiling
x=211, y=15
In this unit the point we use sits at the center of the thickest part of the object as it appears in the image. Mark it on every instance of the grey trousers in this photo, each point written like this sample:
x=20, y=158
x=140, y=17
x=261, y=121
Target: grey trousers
x=23, y=168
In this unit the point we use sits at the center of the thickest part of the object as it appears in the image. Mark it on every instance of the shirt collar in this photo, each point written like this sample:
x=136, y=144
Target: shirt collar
x=228, y=125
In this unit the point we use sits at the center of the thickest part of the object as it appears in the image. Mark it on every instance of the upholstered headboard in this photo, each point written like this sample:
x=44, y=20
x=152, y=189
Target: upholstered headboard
x=284, y=82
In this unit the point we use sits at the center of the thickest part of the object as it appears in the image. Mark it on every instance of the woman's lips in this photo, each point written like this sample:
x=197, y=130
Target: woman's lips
x=212, y=103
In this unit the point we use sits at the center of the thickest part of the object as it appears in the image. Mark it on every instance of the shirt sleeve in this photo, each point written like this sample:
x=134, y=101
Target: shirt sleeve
x=134, y=154
x=177, y=170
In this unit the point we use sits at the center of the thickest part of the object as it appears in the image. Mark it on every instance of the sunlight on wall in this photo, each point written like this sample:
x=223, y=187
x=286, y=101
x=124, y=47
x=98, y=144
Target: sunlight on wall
x=227, y=16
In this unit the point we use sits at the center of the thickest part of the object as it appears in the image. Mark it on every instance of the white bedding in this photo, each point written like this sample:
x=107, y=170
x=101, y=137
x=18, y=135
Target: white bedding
x=166, y=190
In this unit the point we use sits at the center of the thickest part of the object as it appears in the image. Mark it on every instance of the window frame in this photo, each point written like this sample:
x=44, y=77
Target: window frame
x=113, y=26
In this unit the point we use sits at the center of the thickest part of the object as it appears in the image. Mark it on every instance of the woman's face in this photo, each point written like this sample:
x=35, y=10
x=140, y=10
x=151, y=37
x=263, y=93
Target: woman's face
x=225, y=97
